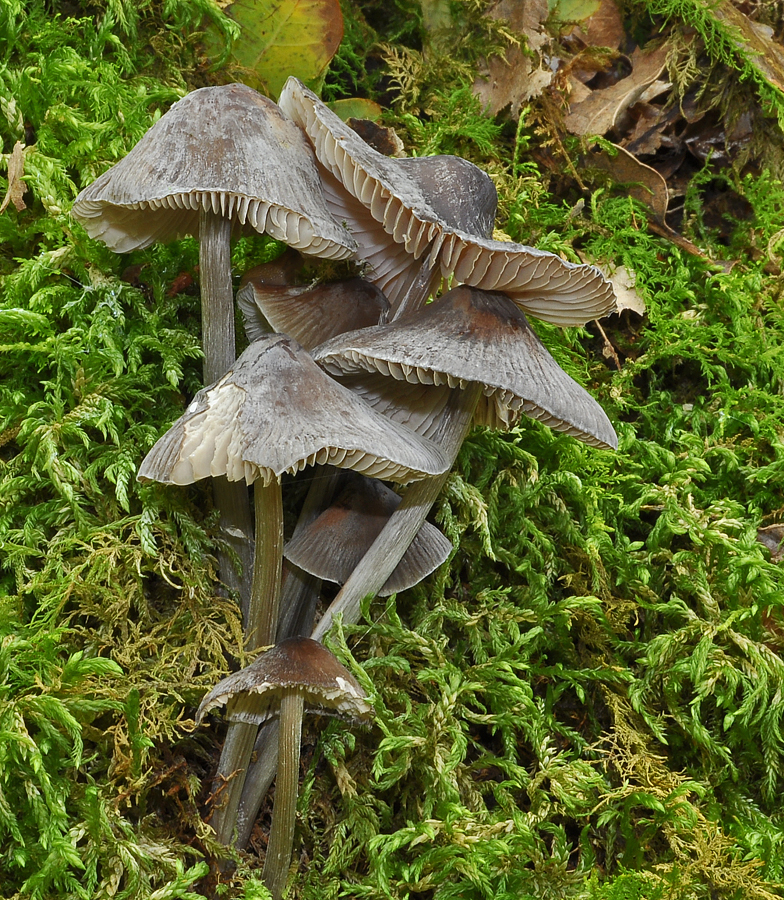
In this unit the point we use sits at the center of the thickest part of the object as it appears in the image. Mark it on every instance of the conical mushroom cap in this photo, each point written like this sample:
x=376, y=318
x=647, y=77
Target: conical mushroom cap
x=470, y=335
x=311, y=315
x=333, y=544
x=296, y=664
x=416, y=203
x=276, y=411
x=228, y=149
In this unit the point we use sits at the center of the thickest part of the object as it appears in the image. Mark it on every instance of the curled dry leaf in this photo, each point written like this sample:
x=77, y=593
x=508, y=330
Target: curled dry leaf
x=600, y=111
x=772, y=536
x=754, y=42
x=644, y=183
x=16, y=187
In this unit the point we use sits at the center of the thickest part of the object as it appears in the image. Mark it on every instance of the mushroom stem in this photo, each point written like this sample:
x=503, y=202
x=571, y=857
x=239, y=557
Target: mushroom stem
x=261, y=624
x=299, y=595
x=369, y=576
x=281, y=840
x=260, y=630
x=388, y=549
x=217, y=314
x=419, y=289
x=217, y=308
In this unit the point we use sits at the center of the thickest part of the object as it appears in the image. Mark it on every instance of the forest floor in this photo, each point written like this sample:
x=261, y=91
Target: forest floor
x=586, y=701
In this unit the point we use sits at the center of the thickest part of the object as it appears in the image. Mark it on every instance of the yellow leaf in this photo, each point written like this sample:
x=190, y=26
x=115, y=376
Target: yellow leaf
x=280, y=38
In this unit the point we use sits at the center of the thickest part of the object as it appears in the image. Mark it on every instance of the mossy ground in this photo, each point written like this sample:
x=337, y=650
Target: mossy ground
x=586, y=702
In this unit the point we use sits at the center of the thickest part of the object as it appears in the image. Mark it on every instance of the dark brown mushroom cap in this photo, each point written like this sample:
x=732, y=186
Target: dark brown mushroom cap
x=332, y=545
x=276, y=411
x=416, y=208
x=228, y=149
x=311, y=315
x=282, y=271
x=470, y=335
x=296, y=664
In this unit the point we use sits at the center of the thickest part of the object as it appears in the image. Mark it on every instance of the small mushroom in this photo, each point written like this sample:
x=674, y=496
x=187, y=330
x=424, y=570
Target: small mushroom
x=472, y=343
x=313, y=314
x=295, y=676
x=428, y=214
x=470, y=336
x=221, y=159
x=228, y=150
x=333, y=544
x=276, y=411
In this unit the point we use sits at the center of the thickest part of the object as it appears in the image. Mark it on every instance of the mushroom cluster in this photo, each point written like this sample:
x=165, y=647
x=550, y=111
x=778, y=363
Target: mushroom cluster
x=363, y=375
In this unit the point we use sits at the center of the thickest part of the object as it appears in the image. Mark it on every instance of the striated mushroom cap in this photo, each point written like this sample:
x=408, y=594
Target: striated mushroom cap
x=418, y=202
x=311, y=315
x=228, y=149
x=276, y=411
x=469, y=335
x=333, y=544
x=296, y=664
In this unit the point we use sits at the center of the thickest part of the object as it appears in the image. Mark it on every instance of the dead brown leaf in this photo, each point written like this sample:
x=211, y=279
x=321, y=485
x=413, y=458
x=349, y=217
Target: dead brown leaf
x=16, y=186
x=754, y=42
x=643, y=183
x=772, y=536
x=599, y=112
x=646, y=185
x=604, y=28
x=512, y=79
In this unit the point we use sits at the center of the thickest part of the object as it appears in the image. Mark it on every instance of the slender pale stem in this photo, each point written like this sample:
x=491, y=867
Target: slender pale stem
x=260, y=630
x=217, y=307
x=388, y=548
x=419, y=289
x=218, y=341
x=299, y=595
x=284, y=814
x=261, y=625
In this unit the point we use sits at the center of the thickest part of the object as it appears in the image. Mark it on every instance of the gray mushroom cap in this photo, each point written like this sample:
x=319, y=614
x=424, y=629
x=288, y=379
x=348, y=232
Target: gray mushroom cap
x=228, y=149
x=332, y=545
x=469, y=335
x=411, y=209
x=295, y=664
x=276, y=411
x=311, y=314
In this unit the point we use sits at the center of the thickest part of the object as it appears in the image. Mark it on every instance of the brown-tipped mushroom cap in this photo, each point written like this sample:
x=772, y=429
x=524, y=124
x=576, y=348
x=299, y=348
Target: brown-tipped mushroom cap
x=311, y=315
x=296, y=664
x=467, y=336
x=416, y=208
x=228, y=149
x=332, y=546
x=276, y=411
